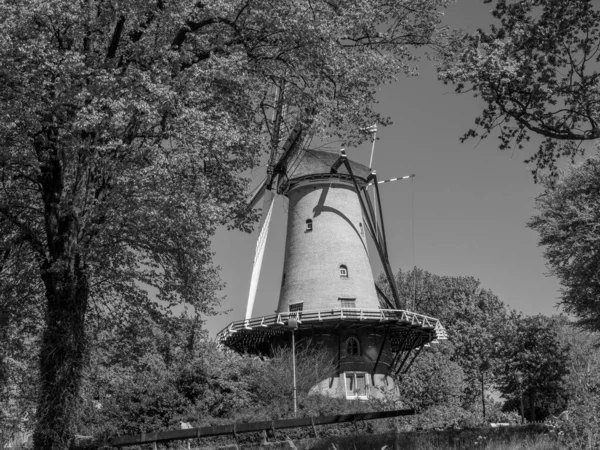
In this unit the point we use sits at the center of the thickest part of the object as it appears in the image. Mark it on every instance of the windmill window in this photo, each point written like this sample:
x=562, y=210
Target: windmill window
x=362, y=231
x=309, y=225
x=297, y=308
x=283, y=280
x=349, y=308
x=348, y=303
x=356, y=385
x=343, y=271
x=352, y=347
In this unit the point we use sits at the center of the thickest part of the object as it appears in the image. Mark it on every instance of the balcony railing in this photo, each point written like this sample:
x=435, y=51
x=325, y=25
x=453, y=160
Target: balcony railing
x=312, y=317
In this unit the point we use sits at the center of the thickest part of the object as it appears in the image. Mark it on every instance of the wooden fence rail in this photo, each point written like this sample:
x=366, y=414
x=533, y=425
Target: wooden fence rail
x=193, y=433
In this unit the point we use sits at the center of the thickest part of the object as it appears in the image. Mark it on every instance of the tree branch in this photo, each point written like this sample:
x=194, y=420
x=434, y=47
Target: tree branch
x=28, y=233
x=116, y=37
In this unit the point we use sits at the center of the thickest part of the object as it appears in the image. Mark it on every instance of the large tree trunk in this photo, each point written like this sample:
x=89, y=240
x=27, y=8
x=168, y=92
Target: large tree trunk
x=63, y=354
x=532, y=405
x=64, y=349
x=483, y=393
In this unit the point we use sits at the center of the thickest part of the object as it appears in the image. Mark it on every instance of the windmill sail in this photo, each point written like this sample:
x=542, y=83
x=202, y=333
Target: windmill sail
x=260, y=249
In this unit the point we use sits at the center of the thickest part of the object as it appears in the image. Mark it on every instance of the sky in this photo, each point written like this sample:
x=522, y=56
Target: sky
x=471, y=200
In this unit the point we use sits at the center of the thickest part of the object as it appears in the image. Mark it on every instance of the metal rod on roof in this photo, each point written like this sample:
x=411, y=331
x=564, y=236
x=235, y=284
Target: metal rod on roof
x=412, y=175
x=374, y=128
x=338, y=162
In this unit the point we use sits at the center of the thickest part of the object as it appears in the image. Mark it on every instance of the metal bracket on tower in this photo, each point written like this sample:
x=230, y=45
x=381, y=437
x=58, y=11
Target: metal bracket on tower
x=387, y=330
x=338, y=162
x=413, y=341
x=398, y=353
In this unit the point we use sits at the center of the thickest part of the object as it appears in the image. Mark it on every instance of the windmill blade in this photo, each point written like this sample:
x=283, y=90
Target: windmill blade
x=276, y=133
x=268, y=203
x=257, y=194
x=290, y=152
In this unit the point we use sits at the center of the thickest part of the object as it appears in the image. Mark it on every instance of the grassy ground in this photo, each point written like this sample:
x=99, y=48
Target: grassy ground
x=509, y=438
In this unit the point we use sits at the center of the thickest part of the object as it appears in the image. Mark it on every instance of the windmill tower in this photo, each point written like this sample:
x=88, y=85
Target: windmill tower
x=327, y=287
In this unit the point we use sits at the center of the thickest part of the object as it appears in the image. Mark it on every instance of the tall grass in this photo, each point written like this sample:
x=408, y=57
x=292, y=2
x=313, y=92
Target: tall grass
x=510, y=438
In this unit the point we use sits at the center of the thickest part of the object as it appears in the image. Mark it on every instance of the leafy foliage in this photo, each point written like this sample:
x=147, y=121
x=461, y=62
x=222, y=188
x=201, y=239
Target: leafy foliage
x=434, y=380
x=149, y=377
x=274, y=379
x=20, y=326
x=582, y=384
x=153, y=375
x=474, y=318
x=18, y=374
x=567, y=222
x=536, y=70
x=534, y=350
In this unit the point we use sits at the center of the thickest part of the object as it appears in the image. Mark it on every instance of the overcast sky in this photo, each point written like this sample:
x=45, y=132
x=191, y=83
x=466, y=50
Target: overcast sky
x=471, y=200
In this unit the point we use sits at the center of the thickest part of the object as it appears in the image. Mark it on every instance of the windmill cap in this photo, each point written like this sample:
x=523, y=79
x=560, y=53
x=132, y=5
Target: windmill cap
x=318, y=162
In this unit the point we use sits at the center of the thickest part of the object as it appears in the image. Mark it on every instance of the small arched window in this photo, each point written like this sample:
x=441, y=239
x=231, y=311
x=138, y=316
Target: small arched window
x=309, y=225
x=283, y=280
x=352, y=347
x=343, y=271
x=362, y=231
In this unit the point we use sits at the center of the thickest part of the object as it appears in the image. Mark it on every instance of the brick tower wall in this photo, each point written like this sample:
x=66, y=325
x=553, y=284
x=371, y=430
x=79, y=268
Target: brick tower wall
x=313, y=258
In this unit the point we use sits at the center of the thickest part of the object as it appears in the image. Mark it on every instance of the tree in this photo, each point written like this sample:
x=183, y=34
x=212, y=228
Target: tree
x=536, y=70
x=582, y=385
x=125, y=126
x=139, y=384
x=534, y=350
x=474, y=317
x=567, y=223
x=433, y=380
x=147, y=377
x=273, y=381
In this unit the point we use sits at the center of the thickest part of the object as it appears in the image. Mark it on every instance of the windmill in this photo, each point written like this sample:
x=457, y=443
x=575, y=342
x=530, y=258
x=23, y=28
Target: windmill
x=328, y=292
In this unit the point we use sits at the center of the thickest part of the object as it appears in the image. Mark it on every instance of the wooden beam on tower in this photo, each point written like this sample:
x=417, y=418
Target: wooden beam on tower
x=380, y=214
x=382, y=256
x=378, y=238
x=387, y=301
